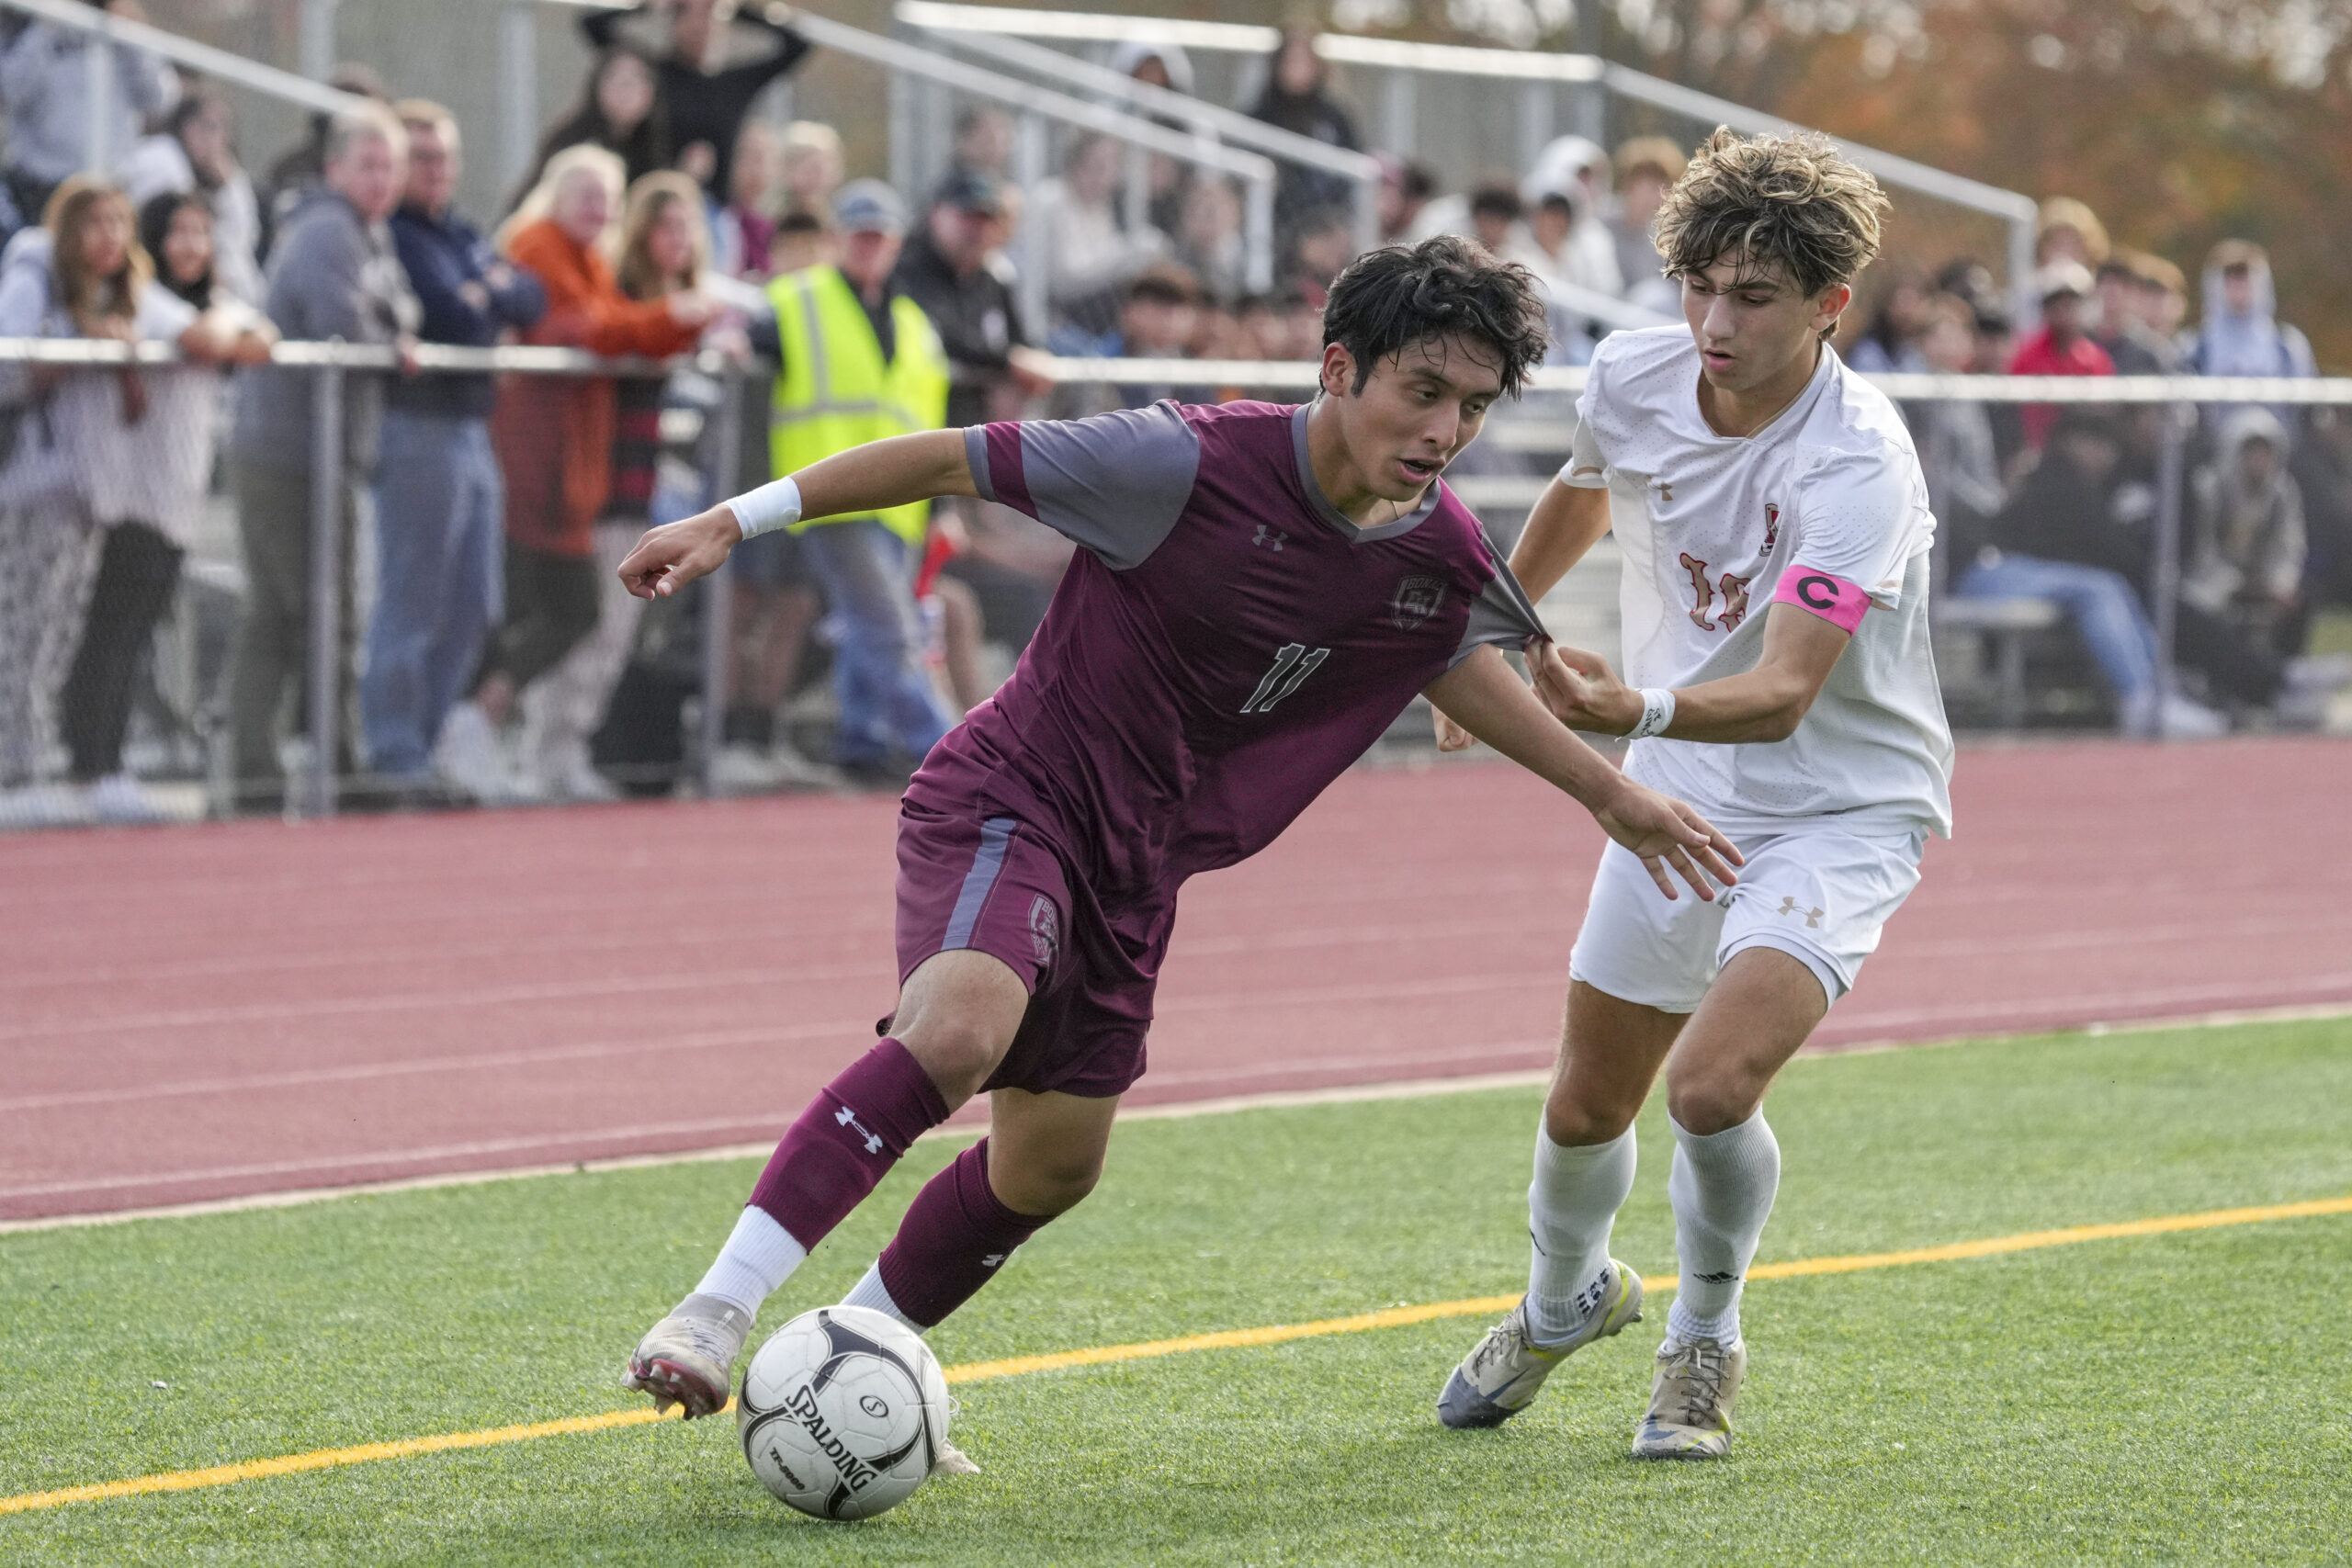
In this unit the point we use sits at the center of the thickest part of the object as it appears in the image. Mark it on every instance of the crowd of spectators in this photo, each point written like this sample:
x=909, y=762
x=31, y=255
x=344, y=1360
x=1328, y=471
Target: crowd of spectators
x=494, y=652
x=2061, y=503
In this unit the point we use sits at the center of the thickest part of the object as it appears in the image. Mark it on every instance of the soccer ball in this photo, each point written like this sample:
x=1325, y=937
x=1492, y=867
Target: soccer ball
x=843, y=1413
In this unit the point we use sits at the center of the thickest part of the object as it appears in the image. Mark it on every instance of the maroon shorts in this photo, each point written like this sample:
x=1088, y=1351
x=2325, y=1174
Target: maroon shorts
x=992, y=886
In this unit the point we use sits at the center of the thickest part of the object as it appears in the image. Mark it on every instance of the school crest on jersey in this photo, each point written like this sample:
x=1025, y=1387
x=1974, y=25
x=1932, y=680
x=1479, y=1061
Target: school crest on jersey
x=1416, y=600
x=1771, y=525
x=1045, y=928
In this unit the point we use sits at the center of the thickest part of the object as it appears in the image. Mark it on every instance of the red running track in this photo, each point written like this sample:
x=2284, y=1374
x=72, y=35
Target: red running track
x=201, y=1013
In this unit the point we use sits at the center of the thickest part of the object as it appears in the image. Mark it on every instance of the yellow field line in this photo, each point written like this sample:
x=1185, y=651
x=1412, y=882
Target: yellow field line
x=1098, y=1355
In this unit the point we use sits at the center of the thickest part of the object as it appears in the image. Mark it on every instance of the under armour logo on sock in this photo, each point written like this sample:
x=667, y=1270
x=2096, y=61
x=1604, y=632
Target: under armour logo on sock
x=1718, y=1278
x=845, y=1117
x=993, y=1258
x=1789, y=907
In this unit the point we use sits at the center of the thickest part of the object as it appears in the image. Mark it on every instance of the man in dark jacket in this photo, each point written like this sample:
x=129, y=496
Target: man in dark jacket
x=948, y=270
x=440, y=502
x=711, y=68
x=333, y=273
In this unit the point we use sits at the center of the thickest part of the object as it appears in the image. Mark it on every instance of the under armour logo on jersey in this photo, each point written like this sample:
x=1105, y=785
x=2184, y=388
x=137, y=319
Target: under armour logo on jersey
x=1273, y=538
x=1666, y=492
x=845, y=1117
x=1771, y=524
x=1789, y=907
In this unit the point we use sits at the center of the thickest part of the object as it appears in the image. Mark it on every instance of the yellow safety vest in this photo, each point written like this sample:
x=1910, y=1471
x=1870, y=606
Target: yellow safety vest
x=835, y=392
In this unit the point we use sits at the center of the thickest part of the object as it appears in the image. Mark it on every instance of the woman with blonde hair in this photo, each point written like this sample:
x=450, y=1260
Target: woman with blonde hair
x=554, y=439
x=663, y=252
x=87, y=502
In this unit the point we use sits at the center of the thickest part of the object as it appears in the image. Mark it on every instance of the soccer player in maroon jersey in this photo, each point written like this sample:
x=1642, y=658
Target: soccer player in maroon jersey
x=1260, y=590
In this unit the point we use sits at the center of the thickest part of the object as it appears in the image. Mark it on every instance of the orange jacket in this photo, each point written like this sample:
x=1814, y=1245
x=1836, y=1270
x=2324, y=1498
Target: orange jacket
x=554, y=433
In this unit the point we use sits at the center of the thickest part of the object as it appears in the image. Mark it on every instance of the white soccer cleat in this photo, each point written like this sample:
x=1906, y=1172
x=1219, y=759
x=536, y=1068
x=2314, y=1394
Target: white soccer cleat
x=952, y=1461
x=1500, y=1376
x=688, y=1357
x=1690, y=1413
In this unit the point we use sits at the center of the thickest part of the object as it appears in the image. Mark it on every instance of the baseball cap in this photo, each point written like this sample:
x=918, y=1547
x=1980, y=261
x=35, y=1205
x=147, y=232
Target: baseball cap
x=870, y=206
x=2062, y=278
x=968, y=190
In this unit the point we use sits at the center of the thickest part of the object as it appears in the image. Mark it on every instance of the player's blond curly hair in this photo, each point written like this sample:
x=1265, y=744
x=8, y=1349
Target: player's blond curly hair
x=1787, y=203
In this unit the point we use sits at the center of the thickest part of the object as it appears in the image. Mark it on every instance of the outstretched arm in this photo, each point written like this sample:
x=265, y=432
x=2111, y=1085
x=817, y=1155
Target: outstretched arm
x=1760, y=704
x=872, y=477
x=1486, y=697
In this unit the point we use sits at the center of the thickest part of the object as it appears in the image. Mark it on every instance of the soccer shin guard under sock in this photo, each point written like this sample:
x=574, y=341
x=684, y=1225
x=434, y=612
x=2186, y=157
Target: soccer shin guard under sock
x=1571, y=1207
x=957, y=1233
x=1723, y=1187
x=850, y=1136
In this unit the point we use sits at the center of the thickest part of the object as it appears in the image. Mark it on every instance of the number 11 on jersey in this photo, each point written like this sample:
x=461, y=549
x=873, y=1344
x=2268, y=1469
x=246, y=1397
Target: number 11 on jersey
x=1293, y=662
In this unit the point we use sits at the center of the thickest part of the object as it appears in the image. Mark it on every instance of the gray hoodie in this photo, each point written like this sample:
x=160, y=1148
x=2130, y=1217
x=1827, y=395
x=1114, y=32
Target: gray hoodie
x=45, y=88
x=330, y=275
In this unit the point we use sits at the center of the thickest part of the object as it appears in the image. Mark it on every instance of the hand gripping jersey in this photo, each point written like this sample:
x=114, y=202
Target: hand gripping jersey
x=1824, y=508
x=1222, y=645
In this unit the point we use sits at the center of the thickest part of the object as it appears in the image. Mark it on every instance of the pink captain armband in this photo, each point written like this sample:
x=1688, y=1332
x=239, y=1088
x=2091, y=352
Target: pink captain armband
x=1833, y=599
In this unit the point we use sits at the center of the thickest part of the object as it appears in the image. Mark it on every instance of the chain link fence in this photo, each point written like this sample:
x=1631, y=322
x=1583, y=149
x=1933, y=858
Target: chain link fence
x=191, y=627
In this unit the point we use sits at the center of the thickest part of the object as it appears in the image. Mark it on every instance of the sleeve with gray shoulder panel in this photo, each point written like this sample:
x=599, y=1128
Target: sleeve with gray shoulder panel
x=1501, y=614
x=1114, y=483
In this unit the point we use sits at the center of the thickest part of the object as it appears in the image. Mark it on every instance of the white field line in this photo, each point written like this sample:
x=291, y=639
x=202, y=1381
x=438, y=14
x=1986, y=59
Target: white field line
x=1402, y=1089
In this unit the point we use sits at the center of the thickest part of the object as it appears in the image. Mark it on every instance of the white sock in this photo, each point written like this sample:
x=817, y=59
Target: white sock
x=759, y=1256
x=1723, y=1187
x=1571, y=1207
x=871, y=1292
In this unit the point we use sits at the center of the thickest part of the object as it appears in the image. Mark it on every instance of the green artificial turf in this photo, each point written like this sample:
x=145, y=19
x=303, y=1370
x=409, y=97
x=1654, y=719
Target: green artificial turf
x=2178, y=1397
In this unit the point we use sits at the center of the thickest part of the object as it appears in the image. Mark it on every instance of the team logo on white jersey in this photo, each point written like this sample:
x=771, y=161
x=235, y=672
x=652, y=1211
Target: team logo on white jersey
x=1416, y=600
x=1771, y=525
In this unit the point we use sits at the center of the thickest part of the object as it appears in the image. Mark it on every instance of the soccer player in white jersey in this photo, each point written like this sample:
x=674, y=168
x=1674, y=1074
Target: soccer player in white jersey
x=1775, y=531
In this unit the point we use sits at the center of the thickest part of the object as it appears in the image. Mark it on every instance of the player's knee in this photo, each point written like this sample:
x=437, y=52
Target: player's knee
x=959, y=1054
x=1048, y=1185
x=1707, y=1103
x=1575, y=1124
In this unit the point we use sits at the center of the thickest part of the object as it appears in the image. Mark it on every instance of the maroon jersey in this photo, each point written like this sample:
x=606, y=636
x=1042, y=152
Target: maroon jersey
x=1222, y=647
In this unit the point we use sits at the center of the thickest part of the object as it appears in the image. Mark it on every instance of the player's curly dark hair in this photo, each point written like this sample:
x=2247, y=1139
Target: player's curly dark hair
x=1390, y=299
x=1793, y=202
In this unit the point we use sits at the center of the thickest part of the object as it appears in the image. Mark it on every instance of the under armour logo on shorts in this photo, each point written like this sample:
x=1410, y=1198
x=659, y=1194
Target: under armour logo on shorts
x=1789, y=907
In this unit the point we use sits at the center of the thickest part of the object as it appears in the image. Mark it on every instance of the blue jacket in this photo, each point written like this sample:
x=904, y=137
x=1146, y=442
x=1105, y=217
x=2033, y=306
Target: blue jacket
x=441, y=256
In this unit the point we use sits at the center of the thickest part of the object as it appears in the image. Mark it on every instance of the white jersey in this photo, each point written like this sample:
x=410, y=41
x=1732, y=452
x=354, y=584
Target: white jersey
x=1714, y=527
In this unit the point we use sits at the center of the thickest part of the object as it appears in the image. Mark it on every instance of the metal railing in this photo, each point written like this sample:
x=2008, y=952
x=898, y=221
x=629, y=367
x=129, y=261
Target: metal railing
x=1205, y=118
x=219, y=64
x=1540, y=72
x=1030, y=108
x=1513, y=468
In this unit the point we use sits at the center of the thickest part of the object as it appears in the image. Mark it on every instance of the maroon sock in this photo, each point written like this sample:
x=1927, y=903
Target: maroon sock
x=850, y=1136
x=955, y=1235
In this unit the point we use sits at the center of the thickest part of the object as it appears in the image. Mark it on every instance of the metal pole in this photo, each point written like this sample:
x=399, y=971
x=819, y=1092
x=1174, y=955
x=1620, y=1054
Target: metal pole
x=1367, y=214
x=518, y=71
x=1257, y=236
x=1397, y=106
x=1135, y=194
x=902, y=131
x=2164, y=587
x=1028, y=171
x=326, y=583
x=1589, y=104
x=1534, y=120
x=97, y=65
x=2026, y=306
x=317, y=38
x=718, y=589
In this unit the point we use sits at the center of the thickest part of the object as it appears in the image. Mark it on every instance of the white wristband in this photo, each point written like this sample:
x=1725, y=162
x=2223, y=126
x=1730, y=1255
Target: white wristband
x=773, y=506
x=1658, y=712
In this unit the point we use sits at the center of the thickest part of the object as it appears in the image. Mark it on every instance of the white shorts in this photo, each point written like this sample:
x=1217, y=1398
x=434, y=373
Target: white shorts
x=1819, y=894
